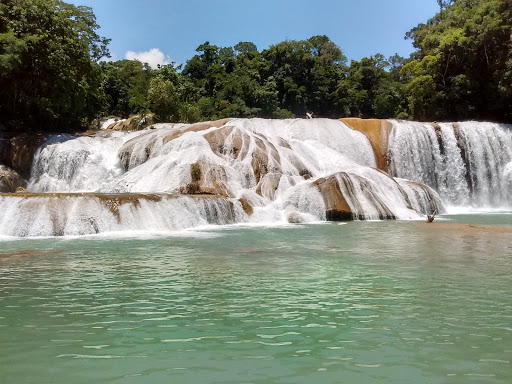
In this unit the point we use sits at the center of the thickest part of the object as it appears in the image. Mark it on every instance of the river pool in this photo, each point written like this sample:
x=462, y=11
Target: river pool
x=362, y=302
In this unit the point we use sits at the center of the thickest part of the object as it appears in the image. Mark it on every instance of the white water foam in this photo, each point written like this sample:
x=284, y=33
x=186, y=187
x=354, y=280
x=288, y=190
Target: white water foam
x=66, y=163
x=72, y=215
x=479, y=176
x=271, y=164
x=488, y=154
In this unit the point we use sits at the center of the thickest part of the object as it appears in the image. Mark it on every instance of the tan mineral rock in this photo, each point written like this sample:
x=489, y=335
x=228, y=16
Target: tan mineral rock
x=377, y=132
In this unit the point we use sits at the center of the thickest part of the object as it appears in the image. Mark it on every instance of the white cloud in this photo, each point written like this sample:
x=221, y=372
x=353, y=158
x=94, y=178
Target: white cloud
x=153, y=57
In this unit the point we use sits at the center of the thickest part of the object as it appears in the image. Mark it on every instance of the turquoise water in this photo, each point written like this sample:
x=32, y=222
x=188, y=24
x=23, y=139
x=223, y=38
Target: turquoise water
x=364, y=302
x=495, y=218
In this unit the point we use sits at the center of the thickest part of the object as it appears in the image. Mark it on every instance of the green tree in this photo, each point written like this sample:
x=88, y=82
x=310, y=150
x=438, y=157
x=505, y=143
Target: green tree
x=163, y=99
x=197, y=66
x=291, y=63
x=245, y=47
x=49, y=77
x=126, y=84
x=463, y=64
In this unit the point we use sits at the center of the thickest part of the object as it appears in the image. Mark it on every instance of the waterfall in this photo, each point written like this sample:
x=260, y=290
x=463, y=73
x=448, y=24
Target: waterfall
x=66, y=163
x=452, y=177
x=84, y=214
x=244, y=154
x=467, y=163
x=176, y=176
x=488, y=153
x=414, y=153
x=507, y=178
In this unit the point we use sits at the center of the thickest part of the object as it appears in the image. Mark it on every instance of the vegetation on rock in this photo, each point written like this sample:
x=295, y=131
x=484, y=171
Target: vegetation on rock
x=195, y=174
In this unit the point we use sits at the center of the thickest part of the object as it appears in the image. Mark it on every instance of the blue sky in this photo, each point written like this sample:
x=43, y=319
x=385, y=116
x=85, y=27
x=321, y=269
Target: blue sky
x=169, y=30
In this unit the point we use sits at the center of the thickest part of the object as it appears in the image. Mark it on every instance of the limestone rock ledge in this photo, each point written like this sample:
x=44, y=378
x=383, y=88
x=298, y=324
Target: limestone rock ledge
x=64, y=214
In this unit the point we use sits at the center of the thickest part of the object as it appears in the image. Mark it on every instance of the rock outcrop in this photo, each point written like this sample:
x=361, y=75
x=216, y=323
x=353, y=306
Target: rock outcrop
x=10, y=180
x=207, y=179
x=343, y=201
x=133, y=123
x=336, y=207
x=377, y=132
x=18, y=151
x=354, y=197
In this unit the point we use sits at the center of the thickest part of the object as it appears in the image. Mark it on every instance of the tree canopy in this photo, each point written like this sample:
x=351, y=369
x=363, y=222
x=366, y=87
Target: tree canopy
x=48, y=69
x=462, y=67
x=50, y=76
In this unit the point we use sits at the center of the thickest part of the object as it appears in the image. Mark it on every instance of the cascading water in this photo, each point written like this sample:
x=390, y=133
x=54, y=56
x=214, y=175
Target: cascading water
x=243, y=170
x=379, y=197
x=452, y=177
x=488, y=153
x=65, y=163
x=467, y=163
x=413, y=152
x=75, y=214
x=507, y=177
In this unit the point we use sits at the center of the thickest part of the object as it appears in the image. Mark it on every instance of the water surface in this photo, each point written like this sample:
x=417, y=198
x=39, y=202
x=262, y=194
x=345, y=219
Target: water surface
x=366, y=302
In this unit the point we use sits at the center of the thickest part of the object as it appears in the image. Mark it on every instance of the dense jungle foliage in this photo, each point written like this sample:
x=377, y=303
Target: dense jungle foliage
x=51, y=76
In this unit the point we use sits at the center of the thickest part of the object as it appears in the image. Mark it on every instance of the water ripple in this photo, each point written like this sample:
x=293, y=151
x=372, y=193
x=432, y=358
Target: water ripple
x=191, y=308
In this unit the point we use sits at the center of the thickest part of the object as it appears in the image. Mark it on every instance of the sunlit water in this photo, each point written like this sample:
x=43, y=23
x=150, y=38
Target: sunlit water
x=364, y=302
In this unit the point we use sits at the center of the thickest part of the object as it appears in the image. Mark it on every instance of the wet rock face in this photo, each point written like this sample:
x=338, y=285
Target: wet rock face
x=336, y=207
x=465, y=156
x=10, y=180
x=421, y=197
x=141, y=148
x=18, y=152
x=377, y=132
x=246, y=206
x=206, y=179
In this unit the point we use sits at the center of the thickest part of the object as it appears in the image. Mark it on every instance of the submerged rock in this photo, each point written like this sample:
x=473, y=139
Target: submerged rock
x=294, y=218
